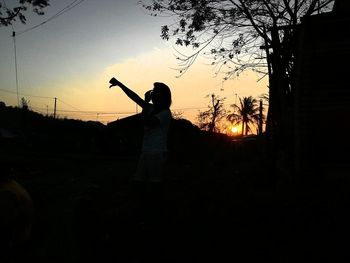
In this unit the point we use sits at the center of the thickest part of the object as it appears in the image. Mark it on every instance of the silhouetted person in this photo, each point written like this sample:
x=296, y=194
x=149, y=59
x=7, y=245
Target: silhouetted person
x=157, y=118
x=148, y=96
x=149, y=176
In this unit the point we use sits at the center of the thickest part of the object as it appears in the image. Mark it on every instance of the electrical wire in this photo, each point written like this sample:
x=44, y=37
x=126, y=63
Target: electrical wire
x=61, y=12
x=78, y=110
x=87, y=112
x=193, y=108
x=27, y=95
x=91, y=112
x=68, y=105
x=99, y=112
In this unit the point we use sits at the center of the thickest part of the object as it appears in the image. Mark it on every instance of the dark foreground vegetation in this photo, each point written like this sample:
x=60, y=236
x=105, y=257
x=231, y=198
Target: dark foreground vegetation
x=223, y=201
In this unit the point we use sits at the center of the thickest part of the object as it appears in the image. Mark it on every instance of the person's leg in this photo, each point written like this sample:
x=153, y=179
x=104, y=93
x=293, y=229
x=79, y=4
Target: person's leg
x=154, y=223
x=140, y=174
x=138, y=188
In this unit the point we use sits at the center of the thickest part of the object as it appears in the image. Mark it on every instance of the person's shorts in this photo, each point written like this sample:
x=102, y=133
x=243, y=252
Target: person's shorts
x=150, y=167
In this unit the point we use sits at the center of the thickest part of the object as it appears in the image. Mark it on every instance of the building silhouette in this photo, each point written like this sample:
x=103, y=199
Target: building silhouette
x=321, y=119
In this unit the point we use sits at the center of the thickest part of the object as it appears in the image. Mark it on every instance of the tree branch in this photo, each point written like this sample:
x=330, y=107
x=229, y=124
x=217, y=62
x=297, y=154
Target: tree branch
x=9, y=18
x=311, y=8
x=249, y=16
x=292, y=14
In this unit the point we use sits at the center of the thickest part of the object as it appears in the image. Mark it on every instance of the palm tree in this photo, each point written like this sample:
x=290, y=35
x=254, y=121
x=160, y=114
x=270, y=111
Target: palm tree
x=208, y=120
x=245, y=114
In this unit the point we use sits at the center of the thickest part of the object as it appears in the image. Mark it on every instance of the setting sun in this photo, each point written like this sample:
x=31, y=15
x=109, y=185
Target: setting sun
x=234, y=129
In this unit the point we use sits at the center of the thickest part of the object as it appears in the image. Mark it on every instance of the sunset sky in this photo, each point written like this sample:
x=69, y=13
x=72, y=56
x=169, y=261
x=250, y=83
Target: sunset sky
x=73, y=57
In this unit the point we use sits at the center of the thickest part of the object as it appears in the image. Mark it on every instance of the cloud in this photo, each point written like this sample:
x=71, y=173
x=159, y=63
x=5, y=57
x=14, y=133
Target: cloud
x=91, y=92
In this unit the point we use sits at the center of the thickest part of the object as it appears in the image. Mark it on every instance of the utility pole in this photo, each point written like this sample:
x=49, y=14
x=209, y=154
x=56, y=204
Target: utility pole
x=16, y=67
x=235, y=103
x=54, y=109
x=47, y=110
x=260, y=117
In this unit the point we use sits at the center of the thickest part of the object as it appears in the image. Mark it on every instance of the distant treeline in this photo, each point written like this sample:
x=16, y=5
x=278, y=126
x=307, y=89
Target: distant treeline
x=24, y=130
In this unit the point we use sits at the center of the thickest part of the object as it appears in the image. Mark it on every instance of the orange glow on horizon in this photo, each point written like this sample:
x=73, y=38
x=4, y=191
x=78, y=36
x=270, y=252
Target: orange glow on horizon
x=234, y=129
x=88, y=97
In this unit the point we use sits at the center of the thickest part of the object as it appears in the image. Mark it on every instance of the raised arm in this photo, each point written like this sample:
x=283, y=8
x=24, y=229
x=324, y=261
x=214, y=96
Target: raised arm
x=132, y=95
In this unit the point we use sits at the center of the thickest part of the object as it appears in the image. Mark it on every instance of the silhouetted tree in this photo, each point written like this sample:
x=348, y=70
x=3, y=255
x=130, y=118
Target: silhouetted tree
x=177, y=115
x=25, y=104
x=245, y=114
x=208, y=120
x=265, y=104
x=12, y=11
x=241, y=34
x=265, y=98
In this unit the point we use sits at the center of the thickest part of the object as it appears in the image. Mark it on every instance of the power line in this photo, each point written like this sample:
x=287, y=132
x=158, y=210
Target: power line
x=99, y=112
x=61, y=12
x=86, y=112
x=27, y=95
x=193, y=108
x=93, y=112
x=68, y=105
x=76, y=111
x=90, y=112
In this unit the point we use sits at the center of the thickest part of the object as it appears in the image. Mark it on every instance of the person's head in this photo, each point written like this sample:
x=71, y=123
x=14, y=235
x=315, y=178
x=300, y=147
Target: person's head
x=161, y=96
